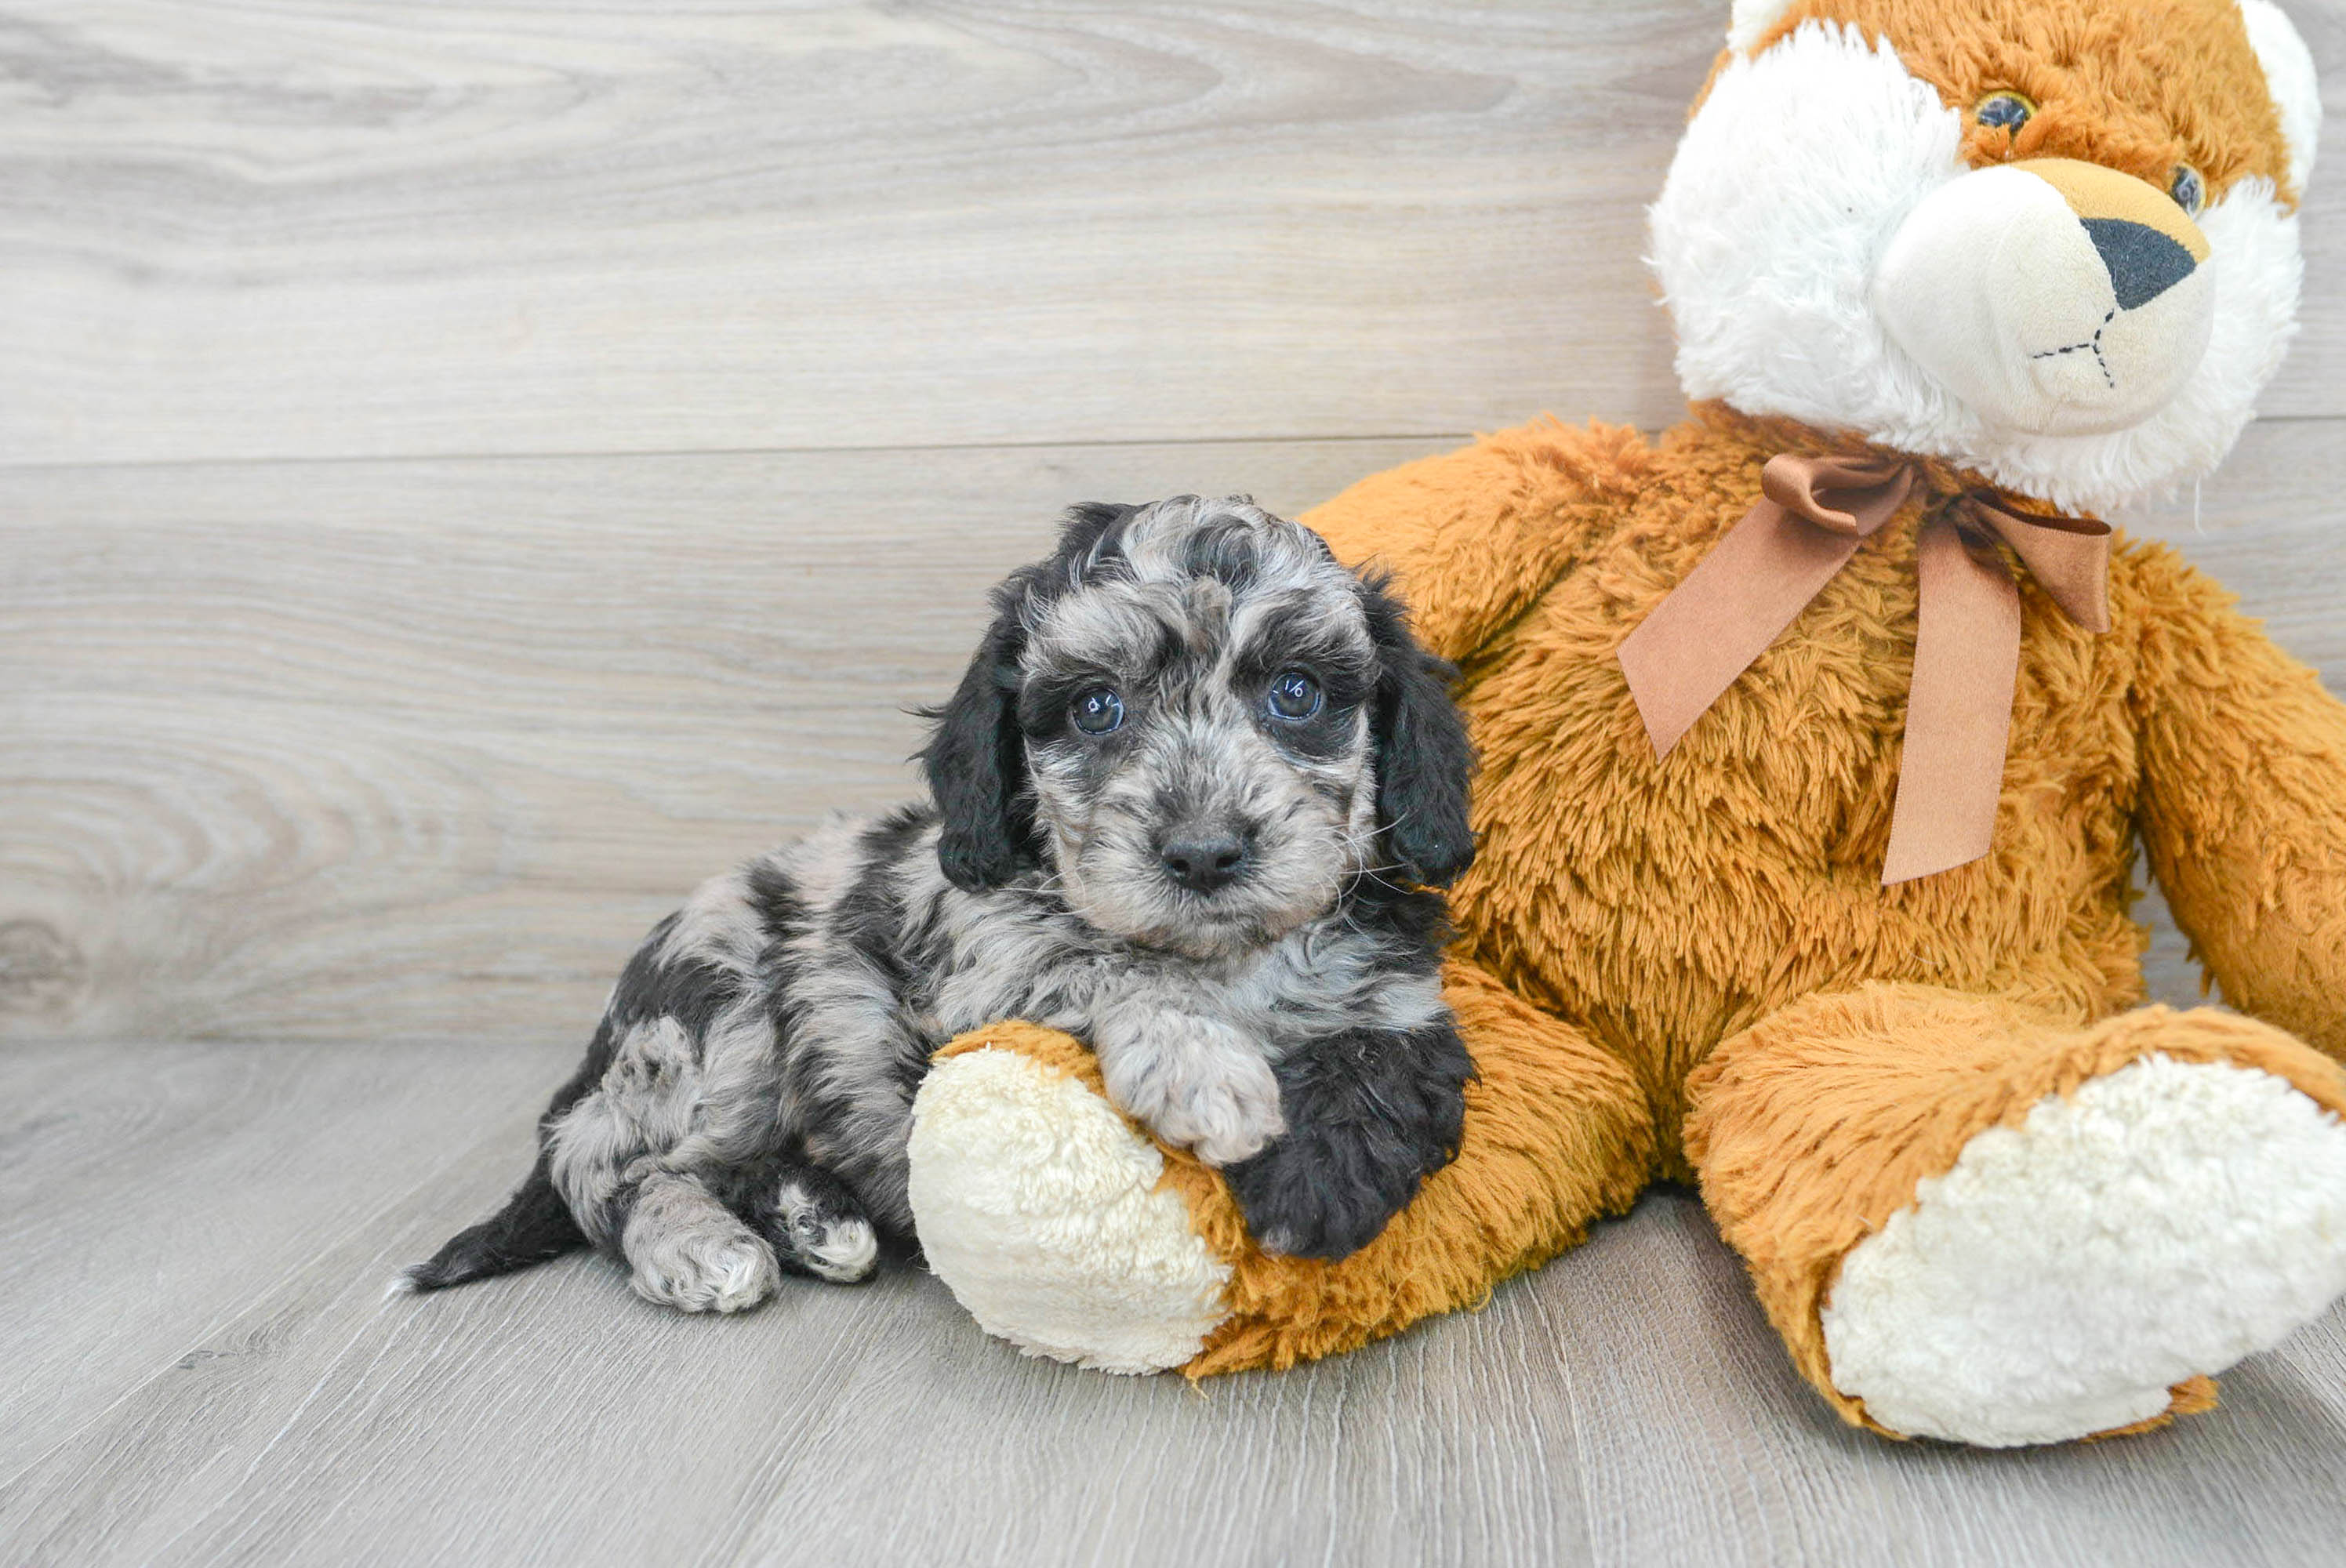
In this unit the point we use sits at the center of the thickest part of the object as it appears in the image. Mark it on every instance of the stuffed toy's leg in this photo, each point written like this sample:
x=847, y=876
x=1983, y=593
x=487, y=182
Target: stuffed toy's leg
x=1973, y=1221
x=1063, y=1228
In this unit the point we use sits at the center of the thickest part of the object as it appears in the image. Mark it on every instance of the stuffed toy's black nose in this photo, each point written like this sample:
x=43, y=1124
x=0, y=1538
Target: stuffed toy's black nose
x=1202, y=864
x=2143, y=263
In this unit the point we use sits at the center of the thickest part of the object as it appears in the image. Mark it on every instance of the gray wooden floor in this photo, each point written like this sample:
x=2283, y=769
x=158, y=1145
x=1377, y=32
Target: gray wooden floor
x=201, y=1366
x=468, y=472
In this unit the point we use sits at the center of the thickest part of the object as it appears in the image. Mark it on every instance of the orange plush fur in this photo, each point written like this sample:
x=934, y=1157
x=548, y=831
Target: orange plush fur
x=2138, y=87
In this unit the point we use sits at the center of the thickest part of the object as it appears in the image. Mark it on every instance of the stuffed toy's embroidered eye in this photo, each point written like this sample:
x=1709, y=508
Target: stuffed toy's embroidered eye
x=2004, y=111
x=2189, y=190
x=1098, y=711
x=1294, y=695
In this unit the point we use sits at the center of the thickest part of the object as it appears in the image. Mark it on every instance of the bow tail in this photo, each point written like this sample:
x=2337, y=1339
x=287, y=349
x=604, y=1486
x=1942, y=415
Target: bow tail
x=1959, y=709
x=1737, y=599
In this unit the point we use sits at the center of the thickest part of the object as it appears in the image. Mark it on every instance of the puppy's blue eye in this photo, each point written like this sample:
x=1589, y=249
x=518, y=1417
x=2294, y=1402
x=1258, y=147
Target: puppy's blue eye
x=1097, y=711
x=1294, y=695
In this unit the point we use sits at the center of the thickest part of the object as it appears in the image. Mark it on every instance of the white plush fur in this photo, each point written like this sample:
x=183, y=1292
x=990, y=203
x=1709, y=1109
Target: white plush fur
x=2292, y=78
x=1788, y=189
x=2257, y=272
x=1041, y=1208
x=2164, y=1221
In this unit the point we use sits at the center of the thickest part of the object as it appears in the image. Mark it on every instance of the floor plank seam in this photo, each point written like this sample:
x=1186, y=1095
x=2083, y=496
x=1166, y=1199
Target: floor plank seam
x=851, y=449
x=844, y=449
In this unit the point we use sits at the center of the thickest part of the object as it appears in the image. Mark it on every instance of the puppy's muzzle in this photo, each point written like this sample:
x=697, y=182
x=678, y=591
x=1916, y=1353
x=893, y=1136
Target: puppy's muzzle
x=2052, y=296
x=1206, y=862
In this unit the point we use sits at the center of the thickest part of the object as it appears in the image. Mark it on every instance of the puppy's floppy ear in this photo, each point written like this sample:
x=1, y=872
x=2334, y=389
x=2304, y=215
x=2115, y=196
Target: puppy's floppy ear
x=975, y=759
x=1092, y=532
x=1425, y=761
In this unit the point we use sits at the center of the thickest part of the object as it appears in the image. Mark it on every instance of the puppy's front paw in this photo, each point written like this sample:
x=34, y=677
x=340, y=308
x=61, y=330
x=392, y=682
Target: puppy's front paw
x=1323, y=1192
x=1373, y=1115
x=1198, y=1084
x=1226, y=1120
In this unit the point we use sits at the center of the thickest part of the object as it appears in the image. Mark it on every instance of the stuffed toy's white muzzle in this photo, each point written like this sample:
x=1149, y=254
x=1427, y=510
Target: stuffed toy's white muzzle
x=2052, y=296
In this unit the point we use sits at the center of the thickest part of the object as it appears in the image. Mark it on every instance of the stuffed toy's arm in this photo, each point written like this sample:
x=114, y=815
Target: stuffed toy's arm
x=1065, y=1228
x=1473, y=536
x=2243, y=806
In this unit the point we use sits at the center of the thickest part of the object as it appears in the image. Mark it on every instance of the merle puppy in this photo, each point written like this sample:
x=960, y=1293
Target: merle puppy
x=1186, y=802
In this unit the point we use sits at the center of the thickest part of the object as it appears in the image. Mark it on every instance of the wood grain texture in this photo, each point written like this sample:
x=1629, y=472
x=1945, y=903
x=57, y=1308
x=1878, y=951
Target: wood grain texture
x=351, y=751
x=314, y=228
x=1625, y=1406
x=554, y=1417
x=149, y=1194
x=1734, y=1462
x=348, y=751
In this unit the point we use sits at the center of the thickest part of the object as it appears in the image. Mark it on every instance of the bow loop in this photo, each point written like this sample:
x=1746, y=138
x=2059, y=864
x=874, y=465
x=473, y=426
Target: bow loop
x=1850, y=496
x=2068, y=556
x=1812, y=515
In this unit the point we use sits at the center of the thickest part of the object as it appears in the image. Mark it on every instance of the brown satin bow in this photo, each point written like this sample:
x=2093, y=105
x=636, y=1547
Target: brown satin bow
x=1813, y=513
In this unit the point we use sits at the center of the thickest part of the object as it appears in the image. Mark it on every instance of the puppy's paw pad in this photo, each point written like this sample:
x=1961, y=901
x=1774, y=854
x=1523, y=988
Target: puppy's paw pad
x=821, y=1232
x=841, y=1250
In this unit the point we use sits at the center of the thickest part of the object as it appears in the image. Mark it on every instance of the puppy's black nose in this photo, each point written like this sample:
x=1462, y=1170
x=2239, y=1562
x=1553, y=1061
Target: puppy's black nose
x=1203, y=864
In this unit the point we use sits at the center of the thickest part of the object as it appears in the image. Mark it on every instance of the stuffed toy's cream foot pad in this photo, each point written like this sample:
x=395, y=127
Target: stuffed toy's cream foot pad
x=2160, y=1222
x=1044, y=1212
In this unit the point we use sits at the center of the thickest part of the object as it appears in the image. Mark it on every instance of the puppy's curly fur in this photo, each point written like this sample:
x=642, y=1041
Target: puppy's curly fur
x=1186, y=802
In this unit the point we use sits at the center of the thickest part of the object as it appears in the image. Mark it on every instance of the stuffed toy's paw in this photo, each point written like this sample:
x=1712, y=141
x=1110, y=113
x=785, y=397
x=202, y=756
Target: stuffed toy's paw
x=1049, y=1214
x=2080, y=1272
x=1978, y=1221
x=1065, y=1228
x=1936, y=330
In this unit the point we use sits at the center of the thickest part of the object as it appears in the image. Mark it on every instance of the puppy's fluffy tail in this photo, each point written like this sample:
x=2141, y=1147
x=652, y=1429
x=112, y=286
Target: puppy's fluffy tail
x=533, y=1226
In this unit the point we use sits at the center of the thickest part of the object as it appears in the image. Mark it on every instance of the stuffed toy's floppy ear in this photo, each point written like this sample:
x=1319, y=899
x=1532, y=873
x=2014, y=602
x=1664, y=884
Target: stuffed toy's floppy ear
x=1425, y=761
x=1750, y=20
x=975, y=759
x=2293, y=79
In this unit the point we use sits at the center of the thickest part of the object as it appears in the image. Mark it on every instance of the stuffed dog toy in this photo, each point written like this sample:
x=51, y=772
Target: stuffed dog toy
x=1819, y=738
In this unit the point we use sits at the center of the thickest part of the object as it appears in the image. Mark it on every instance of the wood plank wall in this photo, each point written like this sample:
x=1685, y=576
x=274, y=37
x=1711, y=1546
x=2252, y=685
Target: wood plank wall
x=468, y=472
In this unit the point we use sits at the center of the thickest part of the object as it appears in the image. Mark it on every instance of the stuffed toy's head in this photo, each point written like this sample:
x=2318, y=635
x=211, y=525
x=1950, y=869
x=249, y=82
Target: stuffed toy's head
x=2054, y=243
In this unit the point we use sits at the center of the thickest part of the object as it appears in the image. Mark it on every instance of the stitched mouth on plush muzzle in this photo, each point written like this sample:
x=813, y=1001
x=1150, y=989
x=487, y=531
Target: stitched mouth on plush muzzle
x=2051, y=295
